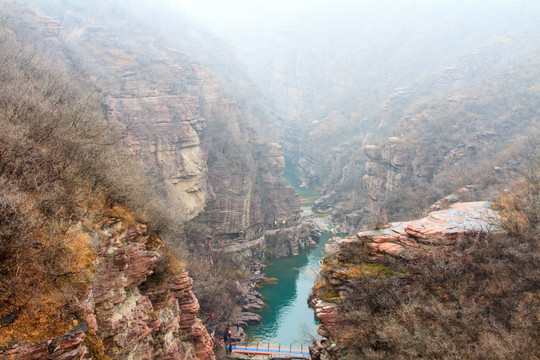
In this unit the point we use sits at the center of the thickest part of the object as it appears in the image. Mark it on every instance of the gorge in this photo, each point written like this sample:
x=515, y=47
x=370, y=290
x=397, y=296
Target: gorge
x=286, y=317
x=162, y=181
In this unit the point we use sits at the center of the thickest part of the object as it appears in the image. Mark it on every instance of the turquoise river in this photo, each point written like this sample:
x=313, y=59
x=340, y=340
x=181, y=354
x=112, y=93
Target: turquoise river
x=287, y=317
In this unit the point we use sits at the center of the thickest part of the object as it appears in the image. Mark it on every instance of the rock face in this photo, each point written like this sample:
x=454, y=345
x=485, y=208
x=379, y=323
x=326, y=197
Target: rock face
x=396, y=139
x=136, y=307
x=137, y=315
x=177, y=118
x=165, y=133
x=204, y=155
x=69, y=346
x=443, y=227
x=197, y=144
x=157, y=100
x=159, y=113
x=328, y=315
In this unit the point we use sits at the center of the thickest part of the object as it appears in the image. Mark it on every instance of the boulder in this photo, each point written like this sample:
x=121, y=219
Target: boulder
x=372, y=152
x=249, y=317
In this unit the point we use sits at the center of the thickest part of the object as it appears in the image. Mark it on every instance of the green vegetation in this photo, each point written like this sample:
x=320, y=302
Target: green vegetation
x=326, y=293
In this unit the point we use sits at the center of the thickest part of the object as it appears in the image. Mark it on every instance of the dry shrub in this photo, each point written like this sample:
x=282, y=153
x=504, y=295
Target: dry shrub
x=481, y=300
x=62, y=170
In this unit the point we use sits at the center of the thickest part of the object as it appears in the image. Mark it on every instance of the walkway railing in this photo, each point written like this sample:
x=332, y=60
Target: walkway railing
x=270, y=349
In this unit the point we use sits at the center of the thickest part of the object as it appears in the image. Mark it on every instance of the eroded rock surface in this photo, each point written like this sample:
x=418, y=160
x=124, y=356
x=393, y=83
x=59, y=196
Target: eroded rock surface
x=134, y=306
x=139, y=315
x=67, y=347
x=443, y=227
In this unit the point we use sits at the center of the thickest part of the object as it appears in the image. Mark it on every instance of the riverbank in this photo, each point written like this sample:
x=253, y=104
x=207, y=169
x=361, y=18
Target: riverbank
x=273, y=298
x=286, y=317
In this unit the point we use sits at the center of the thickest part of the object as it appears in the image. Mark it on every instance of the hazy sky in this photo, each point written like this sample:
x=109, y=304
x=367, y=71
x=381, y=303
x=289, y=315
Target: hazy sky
x=234, y=14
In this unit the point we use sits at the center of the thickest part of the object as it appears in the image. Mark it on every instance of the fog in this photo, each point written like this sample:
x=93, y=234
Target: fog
x=310, y=58
x=325, y=76
x=423, y=34
x=185, y=116
x=226, y=17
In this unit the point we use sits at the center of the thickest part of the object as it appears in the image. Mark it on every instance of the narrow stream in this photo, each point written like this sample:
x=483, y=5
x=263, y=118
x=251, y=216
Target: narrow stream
x=287, y=317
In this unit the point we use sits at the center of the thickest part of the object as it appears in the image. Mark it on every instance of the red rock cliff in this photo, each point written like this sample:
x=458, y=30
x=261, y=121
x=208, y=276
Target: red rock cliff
x=137, y=306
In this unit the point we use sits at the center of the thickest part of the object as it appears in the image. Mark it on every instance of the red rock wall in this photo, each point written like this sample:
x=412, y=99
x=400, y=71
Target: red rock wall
x=138, y=316
x=135, y=313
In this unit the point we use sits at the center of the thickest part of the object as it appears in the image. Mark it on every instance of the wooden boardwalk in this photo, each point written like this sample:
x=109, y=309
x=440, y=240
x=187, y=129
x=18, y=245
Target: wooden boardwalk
x=268, y=353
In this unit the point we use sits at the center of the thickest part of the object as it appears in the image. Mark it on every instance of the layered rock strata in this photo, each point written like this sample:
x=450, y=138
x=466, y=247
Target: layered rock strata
x=438, y=228
x=69, y=346
x=191, y=137
x=136, y=307
x=139, y=315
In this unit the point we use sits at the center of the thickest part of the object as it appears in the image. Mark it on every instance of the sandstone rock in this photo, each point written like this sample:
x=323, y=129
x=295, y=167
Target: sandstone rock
x=446, y=226
x=374, y=186
x=66, y=347
x=173, y=145
x=444, y=202
x=317, y=348
x=374, y=169
x=392, y=155
x=431, y=236
x=443, y=227
x=332, y=245
x=321, y=330
x=354, y=219
x=387, y=247
x=328, y=314
x=157, y=320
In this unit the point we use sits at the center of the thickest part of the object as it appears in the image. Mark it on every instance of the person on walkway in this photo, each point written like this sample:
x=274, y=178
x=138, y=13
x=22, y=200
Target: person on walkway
x=229, y=347
x=237, y=326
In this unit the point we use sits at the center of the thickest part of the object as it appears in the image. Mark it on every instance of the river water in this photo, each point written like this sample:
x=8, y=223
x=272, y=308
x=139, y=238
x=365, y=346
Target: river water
x=287, y=317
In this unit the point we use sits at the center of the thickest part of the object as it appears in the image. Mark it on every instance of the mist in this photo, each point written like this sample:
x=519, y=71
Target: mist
x=141, y=141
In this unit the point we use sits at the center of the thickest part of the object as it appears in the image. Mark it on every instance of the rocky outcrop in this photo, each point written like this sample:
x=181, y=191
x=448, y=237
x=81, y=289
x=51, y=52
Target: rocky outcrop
x=138, y=305
x=254, y=211
x=136, y=313
x=197, y=143
x=328, y=315
x=433, y=237
x=400, y=166
x=439, y=228
x=67, y=347
x=164, y=132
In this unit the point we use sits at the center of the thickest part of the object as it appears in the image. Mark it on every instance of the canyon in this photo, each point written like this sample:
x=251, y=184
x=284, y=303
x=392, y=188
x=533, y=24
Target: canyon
x=143, y=161
x=208, y=165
